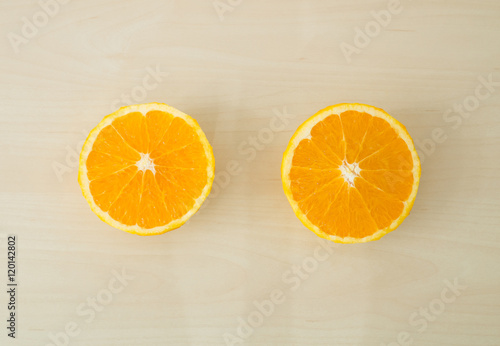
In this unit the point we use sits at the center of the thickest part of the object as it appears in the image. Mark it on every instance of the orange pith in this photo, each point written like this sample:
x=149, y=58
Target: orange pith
x=351, y=173
x=146, y=168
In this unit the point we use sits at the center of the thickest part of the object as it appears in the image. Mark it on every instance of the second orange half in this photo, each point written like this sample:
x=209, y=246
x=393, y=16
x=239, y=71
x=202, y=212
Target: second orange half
x=351, y=173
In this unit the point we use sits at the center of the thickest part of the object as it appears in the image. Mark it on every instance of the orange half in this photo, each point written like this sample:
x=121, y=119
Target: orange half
x=146, y=169
x=351, y=173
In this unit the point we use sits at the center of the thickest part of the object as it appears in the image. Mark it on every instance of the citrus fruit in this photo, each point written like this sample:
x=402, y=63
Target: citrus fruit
x=351, y=173
x=146, y=169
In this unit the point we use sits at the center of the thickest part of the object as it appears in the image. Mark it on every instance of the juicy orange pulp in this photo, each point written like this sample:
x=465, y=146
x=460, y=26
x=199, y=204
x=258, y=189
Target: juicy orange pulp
x=147, y=170
x=351, y=175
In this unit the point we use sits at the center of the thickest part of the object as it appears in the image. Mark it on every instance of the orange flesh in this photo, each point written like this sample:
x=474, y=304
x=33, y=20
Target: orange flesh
x=380, y=185
x=168, y=185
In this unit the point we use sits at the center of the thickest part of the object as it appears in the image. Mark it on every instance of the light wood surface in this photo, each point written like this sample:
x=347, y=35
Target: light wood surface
x=234, y=73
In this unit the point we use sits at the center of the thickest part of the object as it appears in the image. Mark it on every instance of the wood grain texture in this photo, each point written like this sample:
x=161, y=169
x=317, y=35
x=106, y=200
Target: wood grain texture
x=191, y=285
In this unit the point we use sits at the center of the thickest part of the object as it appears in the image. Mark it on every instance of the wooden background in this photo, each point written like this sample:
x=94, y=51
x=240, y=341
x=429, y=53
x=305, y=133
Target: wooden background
x=234, y=71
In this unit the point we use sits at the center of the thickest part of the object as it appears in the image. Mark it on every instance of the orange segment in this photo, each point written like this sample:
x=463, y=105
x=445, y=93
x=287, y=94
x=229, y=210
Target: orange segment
x=177, y=200
x=361, y=222
x=396, y=183
x=101, y=165
x=111, y=143
x=351, y=173
x=125, y=208
x=106, y=190
x=152, y=209
x=146, y=169
x=178, y=136
x=395, y=156
x=354, y=126
x=306, y=180
x=190, y=156
x=383, y=207
x=310, y=155
x=378, y=135
x=321, y=206
x=329, y=138
x=157, y=123
x=133, y=129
